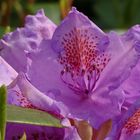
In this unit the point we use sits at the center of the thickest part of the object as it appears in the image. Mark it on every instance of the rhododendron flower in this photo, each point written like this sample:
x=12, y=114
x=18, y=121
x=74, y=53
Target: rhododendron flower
x=128, y=127
x=75, y=73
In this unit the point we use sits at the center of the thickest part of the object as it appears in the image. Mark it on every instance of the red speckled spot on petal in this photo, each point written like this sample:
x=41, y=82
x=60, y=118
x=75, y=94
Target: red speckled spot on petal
x=81, y=52
x=133, y=123
x=81, y=56
x=23, y=101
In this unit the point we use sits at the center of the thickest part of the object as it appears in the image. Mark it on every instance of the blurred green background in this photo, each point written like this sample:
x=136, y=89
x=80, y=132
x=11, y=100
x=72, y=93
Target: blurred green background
x=107, y=14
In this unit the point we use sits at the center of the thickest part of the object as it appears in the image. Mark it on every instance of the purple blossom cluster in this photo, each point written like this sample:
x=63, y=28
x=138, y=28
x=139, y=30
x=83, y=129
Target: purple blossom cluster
x=75, y=71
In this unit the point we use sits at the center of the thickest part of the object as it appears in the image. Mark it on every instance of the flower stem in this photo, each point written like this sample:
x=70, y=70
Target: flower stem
x=2, y=112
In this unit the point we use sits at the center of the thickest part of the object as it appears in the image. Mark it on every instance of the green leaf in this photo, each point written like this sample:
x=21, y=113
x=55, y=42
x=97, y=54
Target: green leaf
x=31, y=116
x=2, y=112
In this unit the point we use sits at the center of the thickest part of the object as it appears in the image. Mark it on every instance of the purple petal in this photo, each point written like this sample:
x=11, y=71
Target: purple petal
x=41, y=24
x=15, y=56
x=18, y=44
x=7, y=73
x=133, y=34
x=131, y=85
x=45, y=66
x=124, y=56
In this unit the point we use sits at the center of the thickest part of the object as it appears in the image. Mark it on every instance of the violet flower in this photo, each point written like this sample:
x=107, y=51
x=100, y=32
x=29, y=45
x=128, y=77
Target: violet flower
x=77, y=73
x=128, y=127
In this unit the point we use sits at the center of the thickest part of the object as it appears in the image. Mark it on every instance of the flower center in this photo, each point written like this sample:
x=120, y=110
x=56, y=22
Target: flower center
x=133, y=123
x=82, y=59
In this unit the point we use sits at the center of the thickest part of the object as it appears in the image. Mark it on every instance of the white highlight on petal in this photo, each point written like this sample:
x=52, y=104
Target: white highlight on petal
x=7, y=73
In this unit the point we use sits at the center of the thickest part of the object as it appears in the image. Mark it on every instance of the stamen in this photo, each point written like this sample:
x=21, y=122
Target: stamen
x=96, y=77
x=70, y=85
